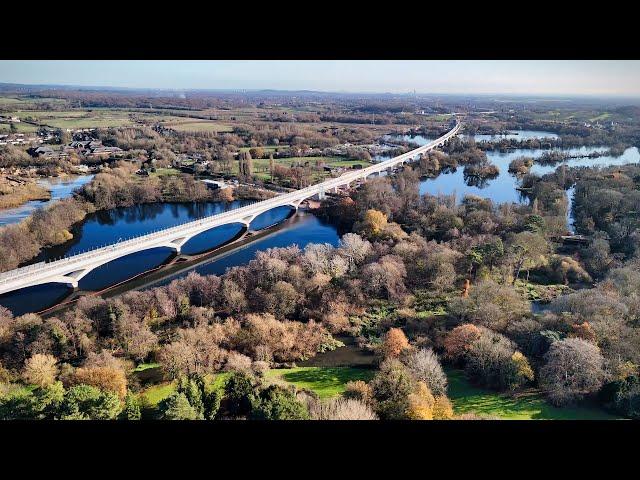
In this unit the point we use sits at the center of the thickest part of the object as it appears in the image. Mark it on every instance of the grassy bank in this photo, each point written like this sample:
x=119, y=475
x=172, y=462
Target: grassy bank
x=467, y=398
x=13, y=196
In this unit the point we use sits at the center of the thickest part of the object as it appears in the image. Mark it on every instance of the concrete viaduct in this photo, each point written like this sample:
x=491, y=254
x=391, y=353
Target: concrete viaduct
x=71, y=269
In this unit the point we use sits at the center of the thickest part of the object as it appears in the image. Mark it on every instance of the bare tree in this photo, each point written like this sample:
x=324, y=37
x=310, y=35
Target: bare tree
x=573, y=368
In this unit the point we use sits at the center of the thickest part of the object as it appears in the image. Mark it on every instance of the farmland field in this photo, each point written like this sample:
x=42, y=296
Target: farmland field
x=199, y=126
x=74, y=119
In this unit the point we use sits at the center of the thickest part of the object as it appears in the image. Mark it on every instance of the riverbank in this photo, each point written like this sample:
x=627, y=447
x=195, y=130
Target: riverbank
x=15, y=192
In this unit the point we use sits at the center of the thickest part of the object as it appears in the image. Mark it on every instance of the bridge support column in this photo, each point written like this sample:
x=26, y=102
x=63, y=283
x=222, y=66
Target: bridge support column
x=247, y=220
x=296, y=205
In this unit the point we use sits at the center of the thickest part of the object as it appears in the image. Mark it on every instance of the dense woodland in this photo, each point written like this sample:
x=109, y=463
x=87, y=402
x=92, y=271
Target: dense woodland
x=396, y=284
x=421, y=282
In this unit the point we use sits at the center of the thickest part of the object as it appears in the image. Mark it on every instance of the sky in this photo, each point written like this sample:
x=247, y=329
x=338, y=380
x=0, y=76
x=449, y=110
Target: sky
x=544, y=77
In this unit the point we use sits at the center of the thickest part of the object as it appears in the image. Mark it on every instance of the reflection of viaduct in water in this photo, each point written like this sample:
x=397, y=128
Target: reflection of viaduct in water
x=71, y=269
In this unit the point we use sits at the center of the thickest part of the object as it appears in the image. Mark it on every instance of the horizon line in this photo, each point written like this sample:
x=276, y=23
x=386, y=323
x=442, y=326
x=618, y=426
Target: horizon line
x=341, y=92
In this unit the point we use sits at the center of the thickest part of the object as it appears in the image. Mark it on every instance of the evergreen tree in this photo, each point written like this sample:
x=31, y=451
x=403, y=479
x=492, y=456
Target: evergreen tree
x=177, y=407
x=131, y=410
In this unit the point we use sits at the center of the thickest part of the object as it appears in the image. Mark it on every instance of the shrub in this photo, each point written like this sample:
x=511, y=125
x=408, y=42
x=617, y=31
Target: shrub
x=278, y=403
x=493, y=361
x=358, y=390
x=177, y=407
x=395, y=342
x=442, y=408
x=420, y=403
x=341, y=409
x=459, y=340
x=391, y=388
x=425, y=367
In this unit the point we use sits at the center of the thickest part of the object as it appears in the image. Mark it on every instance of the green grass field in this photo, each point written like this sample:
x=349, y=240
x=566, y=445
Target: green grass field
x=199, y=126
x=327, y=382
x=268, y=148
x=151, y=396
x=20, y=128
x=10, y=101
x=74, y=119
x=467, y=398
x=145, y=366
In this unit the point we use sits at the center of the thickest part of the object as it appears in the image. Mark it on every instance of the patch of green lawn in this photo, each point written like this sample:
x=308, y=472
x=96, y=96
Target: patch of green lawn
x=325, y=381
x=145, y=366
x=602, y=116
x=20, y=128
x=267, y=148
x=151, y=396
x=467, y=398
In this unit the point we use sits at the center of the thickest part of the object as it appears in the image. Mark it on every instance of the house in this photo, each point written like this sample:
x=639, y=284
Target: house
x=42, y=150
x=79, y=145
x=102, y=151
x=46, y=152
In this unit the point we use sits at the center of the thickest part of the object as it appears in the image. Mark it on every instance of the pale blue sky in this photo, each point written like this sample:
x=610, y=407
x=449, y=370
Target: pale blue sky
x=396, y=76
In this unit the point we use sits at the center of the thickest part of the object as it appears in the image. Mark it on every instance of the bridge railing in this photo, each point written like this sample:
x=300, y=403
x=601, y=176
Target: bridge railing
x=248, y=210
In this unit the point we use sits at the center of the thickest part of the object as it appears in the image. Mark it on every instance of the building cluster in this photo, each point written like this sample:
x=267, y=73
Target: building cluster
x=43, y=135
x=8, y=119
x=90, y=149
x=600, y=126
x=193, y=162
x=93, y=149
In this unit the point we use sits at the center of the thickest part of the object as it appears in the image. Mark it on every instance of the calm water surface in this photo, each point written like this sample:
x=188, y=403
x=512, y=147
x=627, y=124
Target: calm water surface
x=503, y=188
x=60, y=187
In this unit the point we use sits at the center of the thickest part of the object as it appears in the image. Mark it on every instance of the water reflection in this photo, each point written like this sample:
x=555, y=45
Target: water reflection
x=60, y=187
x=300, y=230
x=502, y=188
